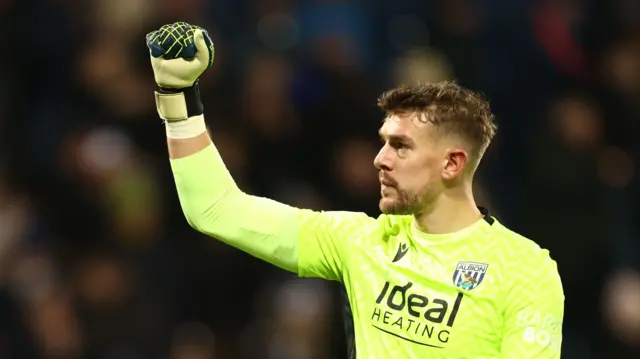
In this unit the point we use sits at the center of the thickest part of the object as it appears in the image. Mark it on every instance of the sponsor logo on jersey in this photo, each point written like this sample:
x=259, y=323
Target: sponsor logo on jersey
x=403, y=248
x=414, y=317
x=469, y=275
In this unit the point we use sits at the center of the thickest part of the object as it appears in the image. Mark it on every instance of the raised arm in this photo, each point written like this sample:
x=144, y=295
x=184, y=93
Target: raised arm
x=310, y=243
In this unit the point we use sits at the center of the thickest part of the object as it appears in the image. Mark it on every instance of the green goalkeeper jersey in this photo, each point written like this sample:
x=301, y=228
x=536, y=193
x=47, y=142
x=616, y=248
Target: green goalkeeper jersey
x=482, y=292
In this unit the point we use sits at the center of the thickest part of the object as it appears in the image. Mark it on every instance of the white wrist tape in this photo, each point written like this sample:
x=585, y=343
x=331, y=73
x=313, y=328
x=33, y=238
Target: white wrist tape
x=189, y=128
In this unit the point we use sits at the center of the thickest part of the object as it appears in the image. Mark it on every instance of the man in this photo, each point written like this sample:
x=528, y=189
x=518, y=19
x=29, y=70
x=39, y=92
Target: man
x=433, y=277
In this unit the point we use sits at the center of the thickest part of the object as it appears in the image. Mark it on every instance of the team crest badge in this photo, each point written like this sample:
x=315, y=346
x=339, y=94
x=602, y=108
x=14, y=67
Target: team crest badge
x=469, y=275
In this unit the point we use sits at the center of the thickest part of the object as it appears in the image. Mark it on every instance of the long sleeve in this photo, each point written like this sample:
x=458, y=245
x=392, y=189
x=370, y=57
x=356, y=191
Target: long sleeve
x=299, y=240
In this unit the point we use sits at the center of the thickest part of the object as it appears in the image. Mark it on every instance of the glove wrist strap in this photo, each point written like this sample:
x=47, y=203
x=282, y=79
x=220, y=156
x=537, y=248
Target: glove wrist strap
x=179, y=104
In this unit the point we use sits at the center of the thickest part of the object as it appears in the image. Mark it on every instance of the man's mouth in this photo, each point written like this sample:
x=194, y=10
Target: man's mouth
x=387, y=182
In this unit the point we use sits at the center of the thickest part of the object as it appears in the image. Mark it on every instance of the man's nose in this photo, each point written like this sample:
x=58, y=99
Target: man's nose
x=382, y=161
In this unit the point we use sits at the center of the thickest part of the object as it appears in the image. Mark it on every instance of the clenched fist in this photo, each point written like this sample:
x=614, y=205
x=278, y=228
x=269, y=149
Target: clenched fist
x=180, y=53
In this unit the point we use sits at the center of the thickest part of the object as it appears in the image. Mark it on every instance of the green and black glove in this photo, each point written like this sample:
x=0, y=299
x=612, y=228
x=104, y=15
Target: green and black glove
x=180, y=53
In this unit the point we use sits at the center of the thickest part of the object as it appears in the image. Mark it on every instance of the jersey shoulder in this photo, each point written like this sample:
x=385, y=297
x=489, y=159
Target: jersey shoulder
x=526, y=256
x=517, y=243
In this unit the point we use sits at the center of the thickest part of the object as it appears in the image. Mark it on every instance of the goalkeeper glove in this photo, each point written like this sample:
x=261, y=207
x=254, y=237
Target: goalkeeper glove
x=180, y=53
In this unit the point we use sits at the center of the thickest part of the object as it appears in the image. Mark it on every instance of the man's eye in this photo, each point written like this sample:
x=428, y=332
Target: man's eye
x=398, y=145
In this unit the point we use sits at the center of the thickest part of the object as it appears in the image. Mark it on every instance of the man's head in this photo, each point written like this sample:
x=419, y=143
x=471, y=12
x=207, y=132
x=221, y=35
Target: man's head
x=434, y=136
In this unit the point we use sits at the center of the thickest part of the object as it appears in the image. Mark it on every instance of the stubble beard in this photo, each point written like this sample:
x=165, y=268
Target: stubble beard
x=407, y=203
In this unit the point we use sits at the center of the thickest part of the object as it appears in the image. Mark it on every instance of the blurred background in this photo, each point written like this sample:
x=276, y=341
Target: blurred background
x=97, y=261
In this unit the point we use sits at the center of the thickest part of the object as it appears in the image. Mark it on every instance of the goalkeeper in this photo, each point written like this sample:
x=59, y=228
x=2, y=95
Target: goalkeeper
x=434, y=276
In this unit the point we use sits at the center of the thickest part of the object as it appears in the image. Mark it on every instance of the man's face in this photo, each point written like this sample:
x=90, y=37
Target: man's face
x=410, y=164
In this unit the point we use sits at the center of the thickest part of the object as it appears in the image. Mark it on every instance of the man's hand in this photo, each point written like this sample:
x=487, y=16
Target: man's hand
x=180, y=54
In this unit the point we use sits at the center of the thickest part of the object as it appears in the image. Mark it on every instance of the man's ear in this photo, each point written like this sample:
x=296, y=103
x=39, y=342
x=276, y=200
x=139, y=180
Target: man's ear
x=455, y=163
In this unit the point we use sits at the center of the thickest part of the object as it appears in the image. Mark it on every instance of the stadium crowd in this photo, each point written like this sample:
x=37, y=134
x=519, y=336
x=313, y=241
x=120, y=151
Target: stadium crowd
x=97, y=261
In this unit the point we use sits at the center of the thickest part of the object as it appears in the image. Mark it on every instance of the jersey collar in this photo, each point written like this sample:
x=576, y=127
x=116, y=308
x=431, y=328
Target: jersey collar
x=486, y=221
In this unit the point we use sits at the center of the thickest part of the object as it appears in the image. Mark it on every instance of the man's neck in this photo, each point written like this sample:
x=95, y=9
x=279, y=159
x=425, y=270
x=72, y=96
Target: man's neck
x=449, y=214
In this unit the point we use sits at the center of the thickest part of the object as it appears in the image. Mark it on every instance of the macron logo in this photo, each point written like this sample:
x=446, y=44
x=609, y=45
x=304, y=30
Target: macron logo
x=402, y=250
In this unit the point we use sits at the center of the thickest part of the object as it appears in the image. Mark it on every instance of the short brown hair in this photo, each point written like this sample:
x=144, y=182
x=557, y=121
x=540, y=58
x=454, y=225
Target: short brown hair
x=448, y=106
